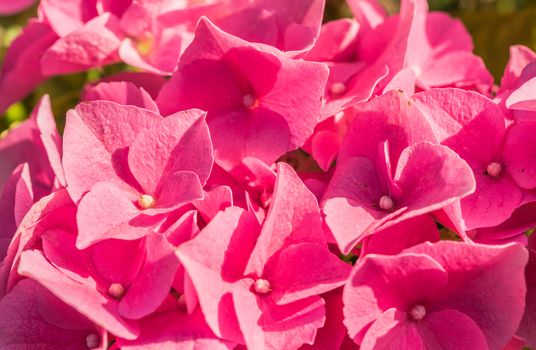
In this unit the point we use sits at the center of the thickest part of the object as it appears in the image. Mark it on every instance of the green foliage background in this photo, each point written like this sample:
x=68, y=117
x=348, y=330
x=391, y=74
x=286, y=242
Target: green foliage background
x=494, y=24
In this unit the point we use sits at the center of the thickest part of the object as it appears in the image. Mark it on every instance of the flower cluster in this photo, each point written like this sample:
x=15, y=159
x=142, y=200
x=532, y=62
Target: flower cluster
x=360, y=183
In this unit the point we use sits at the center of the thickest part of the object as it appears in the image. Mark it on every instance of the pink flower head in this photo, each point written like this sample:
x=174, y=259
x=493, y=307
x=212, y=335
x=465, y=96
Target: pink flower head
x=390, y=170
x=520, y=57
x=261, y=286
x=408, y=299
x=36, y=142
x=244, y=87
x=31, y=315
x=141, y=167
x=462, y=121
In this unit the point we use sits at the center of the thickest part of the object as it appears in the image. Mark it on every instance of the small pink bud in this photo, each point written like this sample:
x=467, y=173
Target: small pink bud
x=116, y=290
x=146, y=201
x=386, y=203
x=494, y=169
x=418, y=312
x=338, y=89
x=250, y=101
x=262, y=286
x=92, y=341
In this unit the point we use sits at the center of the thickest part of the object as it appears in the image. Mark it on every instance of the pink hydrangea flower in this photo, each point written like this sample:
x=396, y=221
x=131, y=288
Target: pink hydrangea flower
x=461, y=122
x=389, y=170
x=246, y=110
x=408, y=299
x=139, y=166
x=241, y=271
x=8, y=7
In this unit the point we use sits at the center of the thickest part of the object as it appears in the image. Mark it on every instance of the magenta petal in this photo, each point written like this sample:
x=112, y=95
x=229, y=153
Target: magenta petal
x=175, y=331
x=179, y=188
x=315, y=270
x=214, y=259
x=379, y=283
x=431, y=176
x=520, y=155
x=11, y=7
x=23, y=324
x=520, y=57
x=110, y=212
x=66, y=18
x=180, y=142
x=122, y=92
x=293, y=217
x=154, y=280
x=107, y=129
x=22, y=60
x=93, y=45
x=89, y=302
x=523, y=98
x=484, y=278
x=269, y=326
x=118, y=261
x=463, y=332
x=493, y=202
x=392, y=331
x=16, y=200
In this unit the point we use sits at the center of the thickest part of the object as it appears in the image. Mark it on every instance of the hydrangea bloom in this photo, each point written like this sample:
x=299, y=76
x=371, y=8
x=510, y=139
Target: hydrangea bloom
x=250, y=178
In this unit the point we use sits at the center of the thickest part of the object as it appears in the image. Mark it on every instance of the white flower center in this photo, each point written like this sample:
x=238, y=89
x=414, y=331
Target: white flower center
x=146, y=201
x=116, y=290
x=249, y=101
x=386, y=203
x=262, y=286
x=418, y=312
x=338, y=89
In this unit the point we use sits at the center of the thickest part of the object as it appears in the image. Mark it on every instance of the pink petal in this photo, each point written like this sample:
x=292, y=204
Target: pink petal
x=431, y=176
x=485, y=278
x=11, y=7
x=154, y=280
x=519, y=154
x=23, y=323
x=523, y=97
x=293, y=217
x=406, y=234
x=101, y=310
x=269, y=326
x=93, y=45
x=22, y=60
x=107, y=129
x=66, y=18
x=463, y=333
x=370, y=13
x=392, y=331
x=315, y=270
x=378, y=283
x=122, y=92
x=180, y=142
x=175, y=331
x=214, y=259
x=16, y=200
x=520, y=57
x=109, y=212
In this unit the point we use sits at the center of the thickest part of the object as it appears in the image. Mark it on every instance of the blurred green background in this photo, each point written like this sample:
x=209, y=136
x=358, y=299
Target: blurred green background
x=494, y=24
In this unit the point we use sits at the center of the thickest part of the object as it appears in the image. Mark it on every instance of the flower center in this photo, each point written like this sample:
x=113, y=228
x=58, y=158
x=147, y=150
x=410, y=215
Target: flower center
x=494, y=169
x=92, y=341
x=146, y=201
x=386, y=203
x=181, y=301
x=116, y=290
x=145, y=45
x=262, y=286
x=418, y=312
x=250, y=101
x=338, y=89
